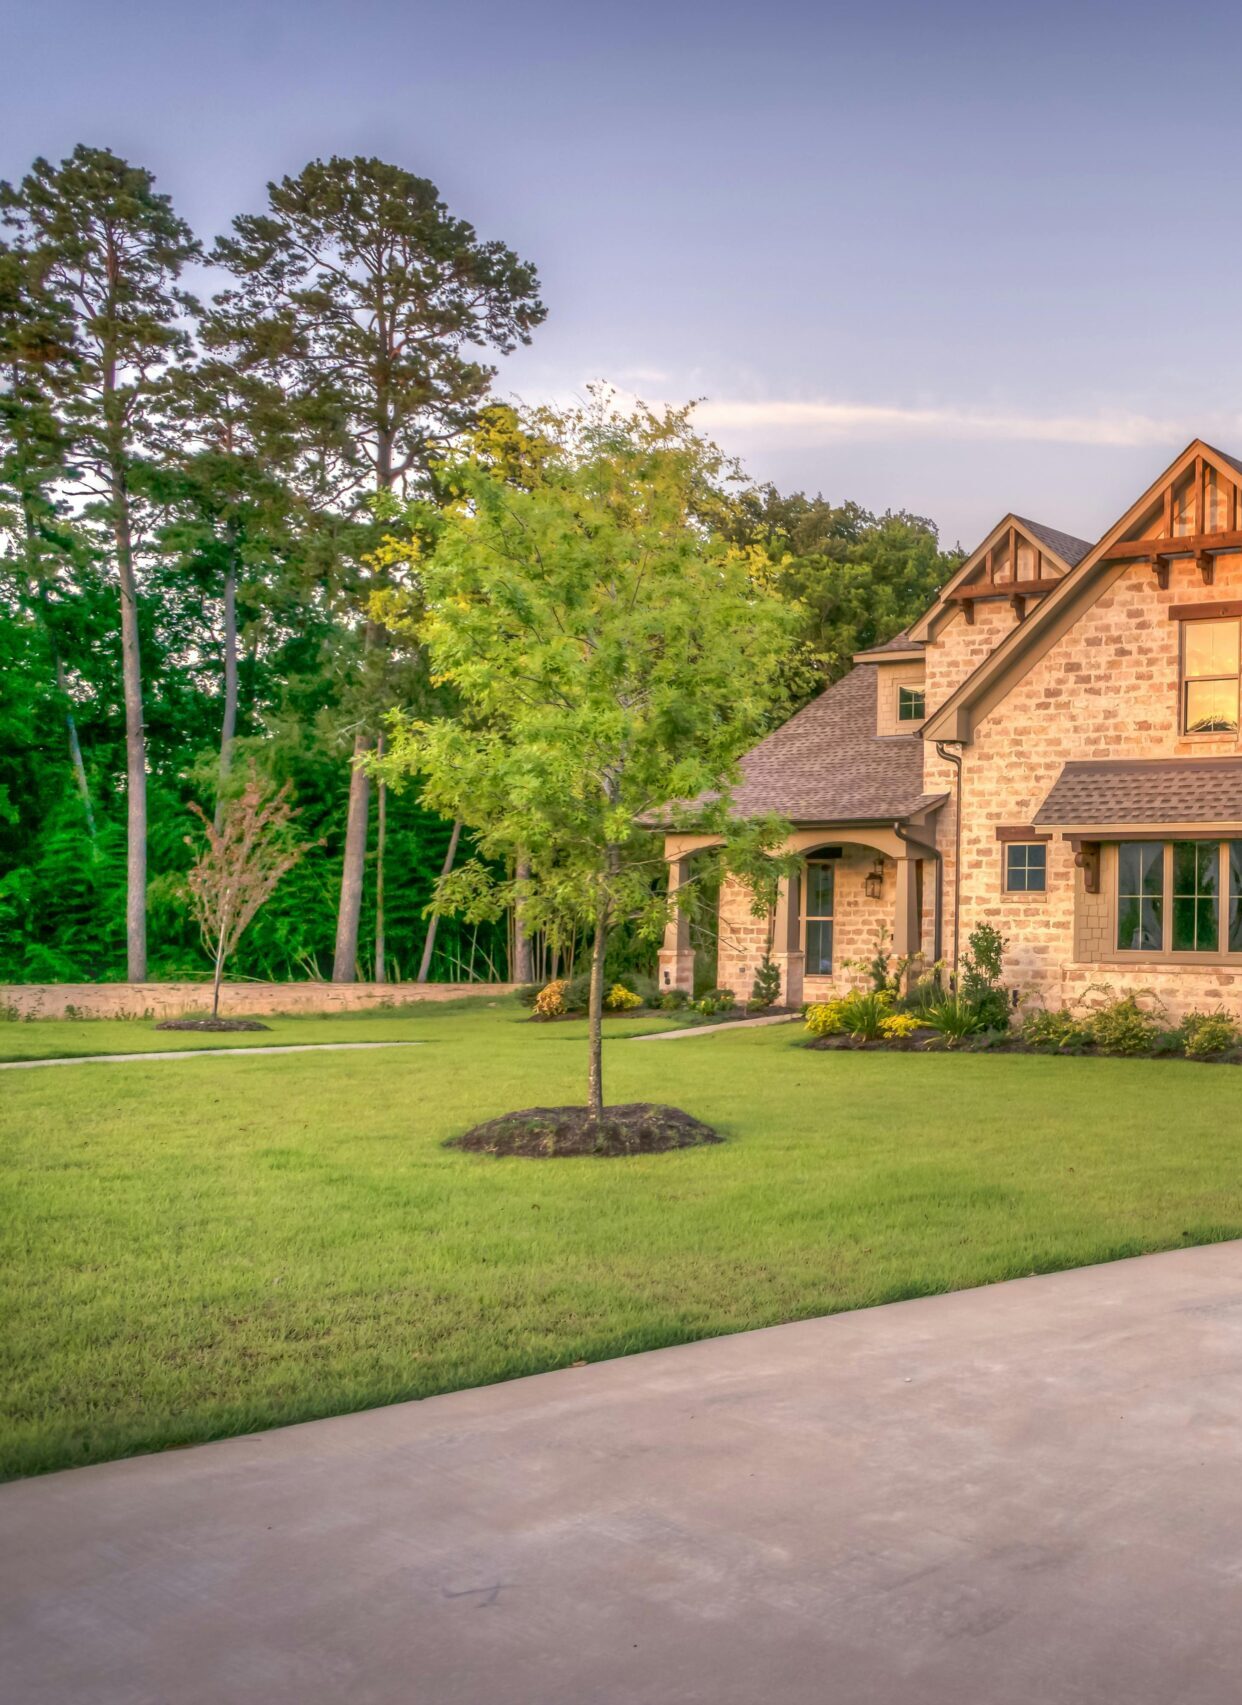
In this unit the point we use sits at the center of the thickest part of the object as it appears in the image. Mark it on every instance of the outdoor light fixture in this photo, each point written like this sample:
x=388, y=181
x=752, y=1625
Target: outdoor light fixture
x=873, y=882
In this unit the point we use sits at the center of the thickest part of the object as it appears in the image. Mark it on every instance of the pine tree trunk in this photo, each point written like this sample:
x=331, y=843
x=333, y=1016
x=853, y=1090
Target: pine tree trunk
x=429, y=946
x=135, y=738
x=595, y=1068
x=353, y=867
x=523, y=958
x=381, y=836
x=228, y=727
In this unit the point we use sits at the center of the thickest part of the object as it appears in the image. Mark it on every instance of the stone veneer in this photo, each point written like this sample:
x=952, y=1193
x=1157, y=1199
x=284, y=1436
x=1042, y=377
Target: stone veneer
x=856, y=927
x=1107, y=689
x=237, y=1000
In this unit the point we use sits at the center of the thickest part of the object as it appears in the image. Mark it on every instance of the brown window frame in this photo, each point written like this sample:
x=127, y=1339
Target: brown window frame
x=829, y=918
x=919, y=693
x=1185, y=681
x=1166, y=953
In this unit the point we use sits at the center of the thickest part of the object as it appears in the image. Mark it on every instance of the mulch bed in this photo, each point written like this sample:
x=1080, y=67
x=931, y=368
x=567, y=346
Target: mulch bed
x=914, y=1044
x=226, y=1024
x=547, y=1133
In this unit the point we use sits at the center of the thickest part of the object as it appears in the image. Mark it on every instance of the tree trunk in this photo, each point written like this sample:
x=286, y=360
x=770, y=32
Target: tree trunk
x=62, y=686
x=523, y=958
x=135, y=738
x=429, y=946
x=595, y=1068
x=228, y=727
x=381, y=836
x=353, y=867
x=215, y=986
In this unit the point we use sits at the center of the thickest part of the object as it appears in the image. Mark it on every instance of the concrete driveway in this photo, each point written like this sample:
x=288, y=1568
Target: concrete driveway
x=1015, y=1496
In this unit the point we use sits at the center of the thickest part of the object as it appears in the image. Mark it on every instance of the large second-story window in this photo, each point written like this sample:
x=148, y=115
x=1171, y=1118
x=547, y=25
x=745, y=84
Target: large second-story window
x=1210, y=677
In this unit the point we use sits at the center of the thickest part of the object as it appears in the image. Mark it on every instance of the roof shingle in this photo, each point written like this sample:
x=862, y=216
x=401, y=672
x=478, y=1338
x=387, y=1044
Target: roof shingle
x=1141, y=791
x=1067, y=547
x=827, y=764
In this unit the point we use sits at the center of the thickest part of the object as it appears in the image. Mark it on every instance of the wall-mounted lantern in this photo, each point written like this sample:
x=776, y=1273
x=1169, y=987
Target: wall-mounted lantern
x=873, y=882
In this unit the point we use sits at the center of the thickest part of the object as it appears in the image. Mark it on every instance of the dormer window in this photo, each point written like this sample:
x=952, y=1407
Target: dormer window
x=1210, y=677
x=910, y=704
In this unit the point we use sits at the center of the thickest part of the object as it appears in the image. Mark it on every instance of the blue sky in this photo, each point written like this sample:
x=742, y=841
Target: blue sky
x=952, y=257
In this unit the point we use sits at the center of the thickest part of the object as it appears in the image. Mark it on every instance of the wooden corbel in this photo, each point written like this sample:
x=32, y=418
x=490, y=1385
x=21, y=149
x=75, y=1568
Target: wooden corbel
x=1087, y=858
x=1160, y=567
x=1205, y=562
x=968, y=610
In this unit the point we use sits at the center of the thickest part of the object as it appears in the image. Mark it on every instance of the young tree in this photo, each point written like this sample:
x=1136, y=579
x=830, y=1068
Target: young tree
x=369, y=302
x=112, y=248
x=609, y=654
x=239, y=866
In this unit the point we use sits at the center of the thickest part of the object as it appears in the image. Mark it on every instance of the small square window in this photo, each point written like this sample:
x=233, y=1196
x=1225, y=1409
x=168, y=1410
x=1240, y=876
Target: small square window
x=1026, y=867
x=910, y=702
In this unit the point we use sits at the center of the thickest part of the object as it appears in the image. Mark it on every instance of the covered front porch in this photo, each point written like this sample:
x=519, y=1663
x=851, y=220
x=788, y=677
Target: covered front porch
x=858, y=886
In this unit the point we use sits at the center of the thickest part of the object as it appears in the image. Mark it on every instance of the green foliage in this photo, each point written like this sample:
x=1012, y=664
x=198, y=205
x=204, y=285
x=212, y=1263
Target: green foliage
x=673, y=1000
x=620, y=999
x=765, y=990
x=900, y=1026
x=856, y=578
x=1056, y=1030
x=861, y=1015
x=1208, y=1035
x=715, y=1001
x=1123, y=1026
x=980, y=983
x=956, y=1017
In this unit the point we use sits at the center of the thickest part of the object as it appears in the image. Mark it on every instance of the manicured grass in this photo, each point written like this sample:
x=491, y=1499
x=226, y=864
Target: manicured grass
x=214, y=1246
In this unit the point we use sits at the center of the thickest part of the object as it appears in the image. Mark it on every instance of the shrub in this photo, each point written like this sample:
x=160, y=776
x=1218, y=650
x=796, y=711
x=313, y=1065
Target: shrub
x=898, y=1025
x=528, y=993
x=578, y=993
x=858, y=1015
x=955, y=1018
x=621, y=999
x=1207, y=1035
x=823, y=1018
x=1123, y=1027
x=716, y=1000
x=1058, y=1031
x=550, y=1001
x=673, y=1000
x=980, y=981
x=765, y=991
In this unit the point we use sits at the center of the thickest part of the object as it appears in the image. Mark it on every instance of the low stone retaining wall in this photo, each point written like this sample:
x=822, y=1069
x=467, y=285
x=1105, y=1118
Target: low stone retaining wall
x=178, y=1000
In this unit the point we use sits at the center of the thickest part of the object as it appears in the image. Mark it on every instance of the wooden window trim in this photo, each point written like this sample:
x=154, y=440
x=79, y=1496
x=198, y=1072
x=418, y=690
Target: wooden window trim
x=1168, y=955
x=809, y=917
x=1020, y=832
x=1023, y=893
x=1184, y=681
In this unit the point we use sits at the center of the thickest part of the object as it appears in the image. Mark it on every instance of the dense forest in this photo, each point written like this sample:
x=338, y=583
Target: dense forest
x=195, y=493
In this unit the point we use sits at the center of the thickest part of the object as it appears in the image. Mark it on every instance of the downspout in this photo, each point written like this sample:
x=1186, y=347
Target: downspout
x=955, y=758
x=926, y=851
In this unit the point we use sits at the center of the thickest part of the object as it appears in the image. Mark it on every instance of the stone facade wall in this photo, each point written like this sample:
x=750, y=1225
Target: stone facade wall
x=1108, y=689
x=856, y=926
x=237, y=1000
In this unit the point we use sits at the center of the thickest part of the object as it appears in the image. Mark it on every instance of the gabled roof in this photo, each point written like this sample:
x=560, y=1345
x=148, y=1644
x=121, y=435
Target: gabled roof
x=901, y=645
x=827, y=764
x=1064, y=545
x=1032, y=638
x=1138, y=791
x=1065, y=550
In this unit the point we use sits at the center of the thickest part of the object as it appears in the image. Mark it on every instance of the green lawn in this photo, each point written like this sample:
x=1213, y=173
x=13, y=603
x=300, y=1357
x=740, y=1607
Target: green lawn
x=209, y=1247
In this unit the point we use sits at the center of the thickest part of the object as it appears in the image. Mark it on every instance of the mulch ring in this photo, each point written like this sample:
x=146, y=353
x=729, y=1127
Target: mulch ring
x=546, y=1133
x=224, y=1024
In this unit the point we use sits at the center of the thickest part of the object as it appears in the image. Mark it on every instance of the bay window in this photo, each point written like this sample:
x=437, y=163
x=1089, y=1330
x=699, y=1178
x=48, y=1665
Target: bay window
x=1179, y=898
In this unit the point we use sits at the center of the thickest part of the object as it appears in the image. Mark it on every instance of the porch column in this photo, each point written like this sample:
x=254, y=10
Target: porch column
x=676, y=958
x=906, y=919
x=787, y=939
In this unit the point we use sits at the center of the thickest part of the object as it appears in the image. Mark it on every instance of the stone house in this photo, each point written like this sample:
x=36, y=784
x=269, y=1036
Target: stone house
x=1053, y=748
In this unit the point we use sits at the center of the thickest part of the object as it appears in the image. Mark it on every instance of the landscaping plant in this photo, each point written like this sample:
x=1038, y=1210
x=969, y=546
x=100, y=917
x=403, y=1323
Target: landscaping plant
x=608, y=653
x=1208, y=1035
x=714, y=1001
x=765, y=990
x=239, y=866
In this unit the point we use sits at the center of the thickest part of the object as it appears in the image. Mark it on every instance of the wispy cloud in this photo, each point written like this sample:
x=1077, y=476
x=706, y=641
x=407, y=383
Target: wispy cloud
x=829, y=420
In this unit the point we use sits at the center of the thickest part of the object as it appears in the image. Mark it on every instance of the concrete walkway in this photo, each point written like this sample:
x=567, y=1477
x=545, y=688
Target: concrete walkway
x=198, y=1053
x=714, y=1029
x=1025, y=1495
